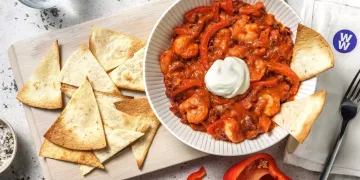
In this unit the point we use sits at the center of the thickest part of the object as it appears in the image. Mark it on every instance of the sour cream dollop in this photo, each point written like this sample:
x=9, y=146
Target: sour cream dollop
x=228, y=77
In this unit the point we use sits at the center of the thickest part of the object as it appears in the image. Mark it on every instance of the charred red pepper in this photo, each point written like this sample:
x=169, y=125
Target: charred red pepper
x=255, y=167
x=198, y=175
x=202, y=9
x=209, y=32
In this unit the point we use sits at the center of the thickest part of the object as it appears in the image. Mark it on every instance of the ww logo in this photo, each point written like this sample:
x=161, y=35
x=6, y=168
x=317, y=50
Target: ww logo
x=344, y=41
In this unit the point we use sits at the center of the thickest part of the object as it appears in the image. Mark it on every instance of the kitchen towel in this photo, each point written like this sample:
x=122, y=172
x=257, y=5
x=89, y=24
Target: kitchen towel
x=338, y=22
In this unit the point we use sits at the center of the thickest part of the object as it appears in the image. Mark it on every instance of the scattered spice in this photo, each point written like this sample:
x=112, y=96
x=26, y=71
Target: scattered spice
x=6, y=143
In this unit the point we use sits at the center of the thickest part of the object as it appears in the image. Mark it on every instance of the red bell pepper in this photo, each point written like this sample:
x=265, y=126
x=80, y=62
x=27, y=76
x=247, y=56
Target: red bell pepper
x=255, y=172
x=228, y=6
x=289, y=73
x=216, y=8
x=209, y=32
x=202, y=9
x=198, y=175
x=187, y=84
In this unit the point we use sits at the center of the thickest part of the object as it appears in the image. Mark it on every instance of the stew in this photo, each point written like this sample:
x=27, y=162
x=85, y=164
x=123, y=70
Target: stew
x=229, y=28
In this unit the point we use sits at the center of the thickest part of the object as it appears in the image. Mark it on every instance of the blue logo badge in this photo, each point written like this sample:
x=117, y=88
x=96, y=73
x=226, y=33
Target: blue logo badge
x=344, y=41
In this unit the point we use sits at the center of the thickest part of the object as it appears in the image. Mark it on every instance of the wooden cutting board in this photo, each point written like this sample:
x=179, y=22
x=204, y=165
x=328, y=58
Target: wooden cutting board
x=25, y=55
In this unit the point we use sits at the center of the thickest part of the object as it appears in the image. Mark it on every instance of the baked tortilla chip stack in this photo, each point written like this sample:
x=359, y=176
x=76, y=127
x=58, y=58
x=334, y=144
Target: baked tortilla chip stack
x=91, y=129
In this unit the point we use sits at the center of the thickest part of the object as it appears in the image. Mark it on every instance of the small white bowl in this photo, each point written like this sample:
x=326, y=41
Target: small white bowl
x=160, y=40
x=9, y=161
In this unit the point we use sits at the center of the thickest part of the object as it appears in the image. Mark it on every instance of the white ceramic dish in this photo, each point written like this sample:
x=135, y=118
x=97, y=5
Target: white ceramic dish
x=160, y=40
x=9, y=161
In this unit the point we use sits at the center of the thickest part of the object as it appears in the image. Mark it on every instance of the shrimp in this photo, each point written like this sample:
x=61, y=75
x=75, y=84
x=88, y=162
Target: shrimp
x=251, y=33
x=195, y=108
x=270, y=104
x=165, y=60
x=244, y=31
x=257, y=68
x=185, y=46
x=232, y=129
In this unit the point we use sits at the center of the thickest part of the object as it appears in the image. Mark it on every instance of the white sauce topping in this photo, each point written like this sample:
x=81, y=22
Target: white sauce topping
x=228, y=77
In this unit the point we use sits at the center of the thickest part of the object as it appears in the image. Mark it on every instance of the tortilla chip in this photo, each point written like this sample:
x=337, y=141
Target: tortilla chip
x=69, y=90
x=141, y=109
x=53, y=151
x=116, y=119
x=312, y=54
x=297, y=117
x=112, y=48
x=82, y=63
x=43, y=88
x=117, y=140
x=129, y=75
x=79, y=125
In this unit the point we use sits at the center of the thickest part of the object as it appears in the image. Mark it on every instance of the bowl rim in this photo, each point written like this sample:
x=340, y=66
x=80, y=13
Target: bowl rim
x=11, y=159
x=168, y=128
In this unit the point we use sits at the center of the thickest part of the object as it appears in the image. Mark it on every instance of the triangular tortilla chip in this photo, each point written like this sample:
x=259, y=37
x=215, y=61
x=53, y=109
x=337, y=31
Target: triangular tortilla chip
x=69, y=90
x=129, y=75
x=312, y=54
x=112, y=48
x=141, y=109
x=297, y=117
x=53, y=151
x=82, y=63
x=116, y=119
x=79, y=125
x=117, y=140
x=43, y=88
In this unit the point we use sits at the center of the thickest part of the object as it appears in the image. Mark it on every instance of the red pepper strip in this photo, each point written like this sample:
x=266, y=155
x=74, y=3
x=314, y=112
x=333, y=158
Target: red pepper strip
x=211, y=129
x=235, y=171
x=187, y=84
x=209, y=32
x=201, y=9
x=228, y=7
x=266, y=83
x=286, y=71
x=216, y=8
x=198, y=175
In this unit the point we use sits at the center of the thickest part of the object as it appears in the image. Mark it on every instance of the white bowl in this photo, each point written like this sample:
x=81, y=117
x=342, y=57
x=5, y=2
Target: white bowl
x=9, y=161
x=160, y=40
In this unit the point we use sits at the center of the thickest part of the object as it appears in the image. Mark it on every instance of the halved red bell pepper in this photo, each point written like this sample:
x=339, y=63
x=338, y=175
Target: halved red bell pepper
x=209, y=32
x=198, y=175
x=241, y=170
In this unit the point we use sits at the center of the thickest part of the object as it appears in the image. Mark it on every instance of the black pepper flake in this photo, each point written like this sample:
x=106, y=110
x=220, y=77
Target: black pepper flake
x=15, y=3
x=15, y=85
x=55, y=12
x=46, y=27
x=5, y=106
x=27, y=15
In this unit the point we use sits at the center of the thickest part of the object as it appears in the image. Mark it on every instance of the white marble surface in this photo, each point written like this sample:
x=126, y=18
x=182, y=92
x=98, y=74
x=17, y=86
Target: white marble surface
x=19, y=22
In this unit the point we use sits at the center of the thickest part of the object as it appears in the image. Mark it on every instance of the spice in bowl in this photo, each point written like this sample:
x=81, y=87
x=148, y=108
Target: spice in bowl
x=7, y=143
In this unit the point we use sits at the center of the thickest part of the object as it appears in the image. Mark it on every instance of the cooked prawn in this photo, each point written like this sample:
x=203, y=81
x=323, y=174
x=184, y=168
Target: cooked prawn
x=232, y=129
x=185, y=46
x=195, y=109
x=165, y=60
x=270, y=104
